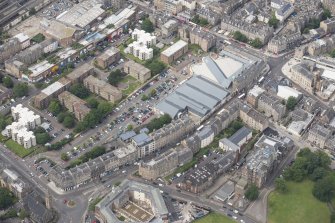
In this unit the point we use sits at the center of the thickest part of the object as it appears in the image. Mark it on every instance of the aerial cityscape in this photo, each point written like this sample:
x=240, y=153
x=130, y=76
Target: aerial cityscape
x=202, y=111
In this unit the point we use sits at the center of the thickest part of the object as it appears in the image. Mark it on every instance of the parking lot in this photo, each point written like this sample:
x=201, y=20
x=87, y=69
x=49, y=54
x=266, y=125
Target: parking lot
x=132, y=111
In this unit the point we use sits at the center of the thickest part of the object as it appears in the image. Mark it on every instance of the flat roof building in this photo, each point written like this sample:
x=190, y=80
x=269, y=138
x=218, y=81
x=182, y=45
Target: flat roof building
x=108, y=57
x=20, y=130
x=175, y=51
x=141, y=47
x=136, y=70
x=80, y=73
x=197, y=96
x=42, y=100
x=285, y=92
x=38, y=71
x=102, y=89
x=74, y=104
x=82, y=14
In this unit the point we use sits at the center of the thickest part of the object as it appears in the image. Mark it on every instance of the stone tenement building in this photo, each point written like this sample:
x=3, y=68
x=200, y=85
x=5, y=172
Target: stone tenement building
x=264, y=33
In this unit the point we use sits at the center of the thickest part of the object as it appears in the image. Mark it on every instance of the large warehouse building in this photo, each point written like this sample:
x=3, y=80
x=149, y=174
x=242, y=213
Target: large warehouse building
x=221, y=69
x=197, y=95
x=213, y=80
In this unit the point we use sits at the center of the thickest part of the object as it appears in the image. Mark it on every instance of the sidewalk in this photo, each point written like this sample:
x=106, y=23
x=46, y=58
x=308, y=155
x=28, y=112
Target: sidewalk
x=258, y=209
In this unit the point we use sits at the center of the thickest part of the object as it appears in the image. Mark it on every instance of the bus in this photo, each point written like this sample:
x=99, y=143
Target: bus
x=241, y=96
x=261, y=80
x=200, y=127
x=227, y=42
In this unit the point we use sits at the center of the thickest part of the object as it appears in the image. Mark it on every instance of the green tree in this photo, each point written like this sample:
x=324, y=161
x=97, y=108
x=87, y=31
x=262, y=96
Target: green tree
x=32, y=11
x=256, y=43
x=318, y=173
x=7, y=82
x=42, y=138
x=158, y=123
x=153, y=92
x=7, y=199
x=281, y=185
x=23, y=214
x=326, y=14
x=61, y=116
x=144, y=97
x=196, y=19
x=64, y=157
x=291, y=103
x=21, y=90
x=55, y=107
x=104, y=108
x=115, y=77
x=332, y=217
x=130, y=127
x=273, y=21
x=147, y=25
x=79, y=90
x=252, y=192
x=68, y=121
x=240, y=37
x=324, y=189
x=155, y=66
x=92, y=102
x=4, y=122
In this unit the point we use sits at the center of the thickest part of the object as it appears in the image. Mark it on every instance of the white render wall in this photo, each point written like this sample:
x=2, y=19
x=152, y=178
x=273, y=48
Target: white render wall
x=24, y=121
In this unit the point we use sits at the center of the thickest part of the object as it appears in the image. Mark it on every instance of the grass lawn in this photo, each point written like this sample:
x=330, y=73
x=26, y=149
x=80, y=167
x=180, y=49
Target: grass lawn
x=298, y=205
x=18, y=149
x=128, y=78
x=129, y=56
x=131, y=88
x=195, y=49
x=3, y=138
x=214, y=218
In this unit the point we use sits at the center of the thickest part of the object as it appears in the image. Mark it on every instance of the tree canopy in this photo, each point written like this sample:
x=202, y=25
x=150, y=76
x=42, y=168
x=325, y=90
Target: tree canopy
x=7, y=82
x=115, y=77
x=92, y=102
x=324, y=188
x=6, y=198
x=256, y=43
x=4, y=121
x=199, y=20
x=94, y=117
x=155, y=66
x=69, y=121
x=326, y=14
x=55, y=107
x=273, y=21
x=314, y=165
x=252, y=192
x=281, y=185
x=64, y=157
x=147, y=25
x=21, y=90
x=79, y=90
x=158, y=123
x=291, y=103
x=240, y=37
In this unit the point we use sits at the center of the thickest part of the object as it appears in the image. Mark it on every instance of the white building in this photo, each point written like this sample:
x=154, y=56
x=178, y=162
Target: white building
x=285, y=92
x=284, y=12
x=24, y=40
x=206, y=136
x=141, y=47
x=24, y=121
x=277, y=4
